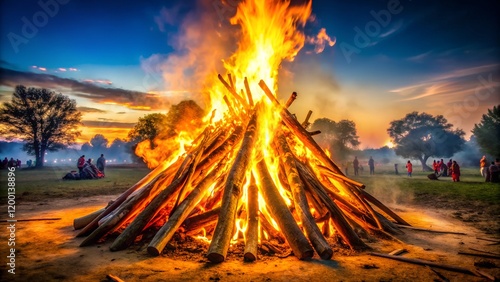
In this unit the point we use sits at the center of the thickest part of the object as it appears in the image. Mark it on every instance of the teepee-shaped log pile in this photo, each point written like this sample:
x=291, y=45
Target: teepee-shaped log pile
x=223, y=178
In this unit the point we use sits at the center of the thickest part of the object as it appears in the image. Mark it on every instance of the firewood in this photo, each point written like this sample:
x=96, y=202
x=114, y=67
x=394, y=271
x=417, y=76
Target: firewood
x=81, y=222
x=114, y=278
x=275, y=204
x=306, y=123
x=232, y=193
x=231, y=90
x=397, y=252
x=175, y=220
x=426, y=262
x=326, y=171
x=132, y=207
x=271, y=231
x=116, y=203
x=249, y=93
x=130, y=233
x=341, y=225
x=299, y=196
x=252, y=232
x=197, y=222
x=316, y=132
x=290, y=100
x=438, y=274
x=300, y=132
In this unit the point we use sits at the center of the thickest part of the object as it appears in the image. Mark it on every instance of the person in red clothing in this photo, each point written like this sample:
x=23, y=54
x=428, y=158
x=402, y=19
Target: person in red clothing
x=483, y=166
x=455, y=172
x=81, y=163
x=409, y=168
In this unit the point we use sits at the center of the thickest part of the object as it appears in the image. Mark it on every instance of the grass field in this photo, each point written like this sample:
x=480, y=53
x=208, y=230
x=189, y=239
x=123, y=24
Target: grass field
x=35, y=185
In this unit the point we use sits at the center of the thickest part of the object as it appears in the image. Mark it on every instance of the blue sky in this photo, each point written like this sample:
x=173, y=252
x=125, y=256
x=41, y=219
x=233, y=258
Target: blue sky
x=390, y=58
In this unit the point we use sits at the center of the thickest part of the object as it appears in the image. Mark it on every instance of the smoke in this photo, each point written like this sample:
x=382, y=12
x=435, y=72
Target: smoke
x=199, y=45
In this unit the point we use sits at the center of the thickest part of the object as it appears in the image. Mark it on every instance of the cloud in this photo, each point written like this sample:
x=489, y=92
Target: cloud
x=107, y=124
x=167, y=16
x=104, y=95
x=90, y=110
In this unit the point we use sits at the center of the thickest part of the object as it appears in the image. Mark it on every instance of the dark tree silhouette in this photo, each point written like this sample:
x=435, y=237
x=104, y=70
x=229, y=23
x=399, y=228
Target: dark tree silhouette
x=487, y=132
x=420, y=136
x=147, y=128
x=337, y=137
x=46, y=121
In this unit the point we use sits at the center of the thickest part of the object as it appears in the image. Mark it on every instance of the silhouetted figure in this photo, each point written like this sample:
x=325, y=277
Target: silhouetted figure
x=101, y=163
x=371, y=164
x=396, y=169
x=355, y=164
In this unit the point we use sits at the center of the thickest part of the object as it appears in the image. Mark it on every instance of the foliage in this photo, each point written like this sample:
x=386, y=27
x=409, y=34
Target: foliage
x=46, y=121
x=147, y=128
x=421, y=135
x=487, y=132
x=337, y=137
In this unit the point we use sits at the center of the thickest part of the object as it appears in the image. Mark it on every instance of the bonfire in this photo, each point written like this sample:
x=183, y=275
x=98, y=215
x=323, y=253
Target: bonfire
x=252, y=173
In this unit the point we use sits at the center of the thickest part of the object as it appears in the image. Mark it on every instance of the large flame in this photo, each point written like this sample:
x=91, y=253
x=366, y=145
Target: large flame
x=270, y=33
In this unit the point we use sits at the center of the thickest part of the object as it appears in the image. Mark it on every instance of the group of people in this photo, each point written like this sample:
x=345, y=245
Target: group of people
x=87, y=170
x=358, y=167
x=490, y=172
x=440, y=169
x=6, y=163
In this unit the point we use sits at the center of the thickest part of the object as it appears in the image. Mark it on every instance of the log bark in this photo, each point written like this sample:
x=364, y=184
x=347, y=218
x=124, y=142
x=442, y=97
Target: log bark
x=122, y=212
x=252, y=232
x=339, y=221
x=128, y=236
x=116, y=203
x=196, y=222
x=232, y=193
x=175, y=220
x=299, y=197
x=278, y=209
x=249, y=93
x=231, y=90
x=290, y=100
x=300, y=132
x=479, y=255
x=306, y=123
x=81, y=222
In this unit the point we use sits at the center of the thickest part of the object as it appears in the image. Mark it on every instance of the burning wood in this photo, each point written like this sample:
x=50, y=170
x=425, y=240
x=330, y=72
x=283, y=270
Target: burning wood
x=233, y=187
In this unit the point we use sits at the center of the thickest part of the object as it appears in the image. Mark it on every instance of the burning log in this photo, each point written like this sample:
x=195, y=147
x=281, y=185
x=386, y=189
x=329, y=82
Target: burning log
x=252, y=234
x=299, y=196
x=232, y=193
x=284, y=218
x=290, y=100
x=81, y=222
x=195, y=223
x=181, y=212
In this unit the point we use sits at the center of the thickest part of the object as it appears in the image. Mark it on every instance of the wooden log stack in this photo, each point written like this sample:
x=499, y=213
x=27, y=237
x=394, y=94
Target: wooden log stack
x=224, y=176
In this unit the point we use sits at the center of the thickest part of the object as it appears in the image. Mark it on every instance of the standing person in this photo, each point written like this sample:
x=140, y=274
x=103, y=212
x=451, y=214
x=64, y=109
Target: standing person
x=455, y=172
x=396, y=169
x=483, y=166
x=355, y=164
x=435, y=167
x=409, y=168
x=371, y=164
x=101, y=163
x=450, y=162
x=443, y=168
x=80, y=163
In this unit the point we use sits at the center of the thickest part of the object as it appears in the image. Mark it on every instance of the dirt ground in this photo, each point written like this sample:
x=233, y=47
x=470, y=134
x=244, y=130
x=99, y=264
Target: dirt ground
x=48, y=251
